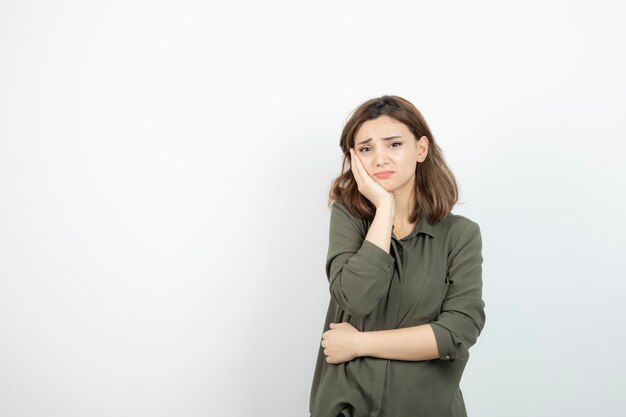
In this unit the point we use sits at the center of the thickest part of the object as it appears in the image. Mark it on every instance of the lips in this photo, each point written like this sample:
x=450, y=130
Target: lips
x=383, y=174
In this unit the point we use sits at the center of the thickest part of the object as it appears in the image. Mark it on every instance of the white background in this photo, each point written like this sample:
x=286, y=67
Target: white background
x=164, y=171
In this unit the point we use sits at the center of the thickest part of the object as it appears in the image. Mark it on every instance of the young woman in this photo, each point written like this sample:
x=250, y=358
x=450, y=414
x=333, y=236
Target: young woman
x=404, y=273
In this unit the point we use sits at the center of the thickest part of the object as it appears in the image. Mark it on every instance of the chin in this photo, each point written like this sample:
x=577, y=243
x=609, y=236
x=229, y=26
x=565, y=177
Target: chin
x=388, y=187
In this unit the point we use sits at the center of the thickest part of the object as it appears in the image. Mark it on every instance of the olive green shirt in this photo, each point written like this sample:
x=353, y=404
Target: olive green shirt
x=434, y=276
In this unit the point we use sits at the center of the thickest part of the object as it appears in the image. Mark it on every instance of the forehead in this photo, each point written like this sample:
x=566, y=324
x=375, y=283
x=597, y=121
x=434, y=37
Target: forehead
x=381, y=127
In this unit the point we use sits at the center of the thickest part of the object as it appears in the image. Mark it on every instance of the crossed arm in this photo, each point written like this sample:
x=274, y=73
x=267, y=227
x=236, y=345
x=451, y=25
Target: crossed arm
x=343, y=342
x=416, y=343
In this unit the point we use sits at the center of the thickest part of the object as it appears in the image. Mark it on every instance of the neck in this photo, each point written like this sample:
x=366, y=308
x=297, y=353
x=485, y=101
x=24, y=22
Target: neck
x=404, y=204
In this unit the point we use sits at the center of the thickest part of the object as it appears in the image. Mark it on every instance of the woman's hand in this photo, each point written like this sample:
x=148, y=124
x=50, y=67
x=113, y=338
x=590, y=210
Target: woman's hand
x=368, y=186
x=340, y=343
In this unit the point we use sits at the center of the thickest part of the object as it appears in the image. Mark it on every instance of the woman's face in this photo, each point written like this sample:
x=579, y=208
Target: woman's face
x=384, y=144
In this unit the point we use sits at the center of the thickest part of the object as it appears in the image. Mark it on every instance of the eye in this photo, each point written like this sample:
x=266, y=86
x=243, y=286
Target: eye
x=392, y=143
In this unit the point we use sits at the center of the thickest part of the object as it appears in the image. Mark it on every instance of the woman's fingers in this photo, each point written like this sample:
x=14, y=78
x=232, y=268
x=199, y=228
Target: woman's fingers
x=353, y=167
x=357, y=168
x=363, y=178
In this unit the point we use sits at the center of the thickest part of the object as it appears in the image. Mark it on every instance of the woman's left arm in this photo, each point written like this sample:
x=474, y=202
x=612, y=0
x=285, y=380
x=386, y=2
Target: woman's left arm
x=416, y=343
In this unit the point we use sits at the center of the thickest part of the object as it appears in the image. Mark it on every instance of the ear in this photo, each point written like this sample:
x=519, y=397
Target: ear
x=422, y=149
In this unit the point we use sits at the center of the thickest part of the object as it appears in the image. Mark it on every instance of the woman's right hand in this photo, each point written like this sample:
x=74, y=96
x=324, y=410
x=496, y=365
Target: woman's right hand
x=367, y=185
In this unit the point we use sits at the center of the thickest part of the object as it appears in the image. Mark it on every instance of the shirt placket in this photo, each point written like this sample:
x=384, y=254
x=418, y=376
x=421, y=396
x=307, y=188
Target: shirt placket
x=395, y=291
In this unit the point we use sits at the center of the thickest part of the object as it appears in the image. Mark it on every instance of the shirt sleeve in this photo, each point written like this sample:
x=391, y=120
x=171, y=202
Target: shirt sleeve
x=462, y=316
x=359, y=272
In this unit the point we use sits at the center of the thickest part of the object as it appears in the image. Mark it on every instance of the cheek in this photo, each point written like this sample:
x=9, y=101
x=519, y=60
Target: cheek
x=408, y=164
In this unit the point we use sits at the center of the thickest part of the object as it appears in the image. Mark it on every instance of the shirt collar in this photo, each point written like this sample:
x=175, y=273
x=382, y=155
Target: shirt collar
x=423, y=226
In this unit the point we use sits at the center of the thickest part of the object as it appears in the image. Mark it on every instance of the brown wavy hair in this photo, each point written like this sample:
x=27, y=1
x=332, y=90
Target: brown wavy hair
x=436, y=189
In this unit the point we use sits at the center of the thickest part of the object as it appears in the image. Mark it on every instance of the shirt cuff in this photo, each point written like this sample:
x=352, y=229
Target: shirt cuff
x=376, y=255
x=445, y=345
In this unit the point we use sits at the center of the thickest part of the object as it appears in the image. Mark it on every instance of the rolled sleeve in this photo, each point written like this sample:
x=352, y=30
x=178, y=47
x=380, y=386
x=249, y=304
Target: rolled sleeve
x=445, y=345
x=462, y=316
x=376, y=256
x=359, y=272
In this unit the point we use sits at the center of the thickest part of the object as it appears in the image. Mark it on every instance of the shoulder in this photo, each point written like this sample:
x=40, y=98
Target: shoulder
x=341, y=216
x=457, y=227
x=458, y=220
x=339, y=212
x=338, y=205
x=339, y=208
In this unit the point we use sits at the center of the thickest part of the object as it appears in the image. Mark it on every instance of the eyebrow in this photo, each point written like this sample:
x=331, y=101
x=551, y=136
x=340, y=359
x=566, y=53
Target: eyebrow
x=385, y=139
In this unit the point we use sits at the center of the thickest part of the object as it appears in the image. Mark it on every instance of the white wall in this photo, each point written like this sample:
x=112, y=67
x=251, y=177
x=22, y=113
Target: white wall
x=164, y=164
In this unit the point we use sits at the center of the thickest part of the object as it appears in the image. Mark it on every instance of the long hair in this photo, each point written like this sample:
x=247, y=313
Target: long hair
x=436, y=190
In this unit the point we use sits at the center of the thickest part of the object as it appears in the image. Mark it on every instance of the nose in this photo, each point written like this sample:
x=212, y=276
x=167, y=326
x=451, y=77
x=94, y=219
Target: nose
x=380, y=157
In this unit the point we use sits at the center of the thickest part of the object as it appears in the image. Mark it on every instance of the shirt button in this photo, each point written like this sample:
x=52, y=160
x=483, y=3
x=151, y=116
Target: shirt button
x=389, y=265
x=447, y=356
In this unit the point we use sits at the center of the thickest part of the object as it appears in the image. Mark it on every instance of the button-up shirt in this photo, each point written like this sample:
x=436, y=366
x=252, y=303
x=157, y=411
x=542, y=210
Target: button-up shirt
x=432, y=276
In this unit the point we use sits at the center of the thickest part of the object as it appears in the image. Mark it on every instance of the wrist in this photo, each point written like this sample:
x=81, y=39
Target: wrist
x=361, y=344
x=389, y=206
